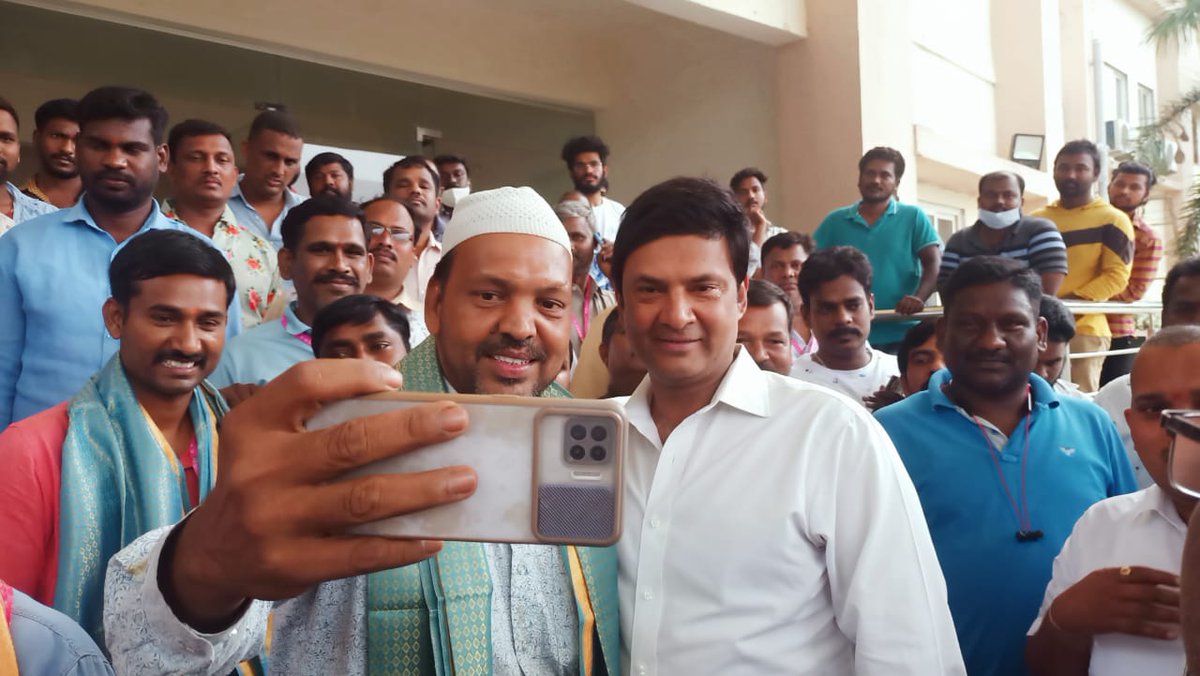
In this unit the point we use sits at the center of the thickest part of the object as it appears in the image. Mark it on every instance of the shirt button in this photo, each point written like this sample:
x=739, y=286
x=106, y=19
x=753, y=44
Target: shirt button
x=648, y=595
x=641, y=669
x=654, y=523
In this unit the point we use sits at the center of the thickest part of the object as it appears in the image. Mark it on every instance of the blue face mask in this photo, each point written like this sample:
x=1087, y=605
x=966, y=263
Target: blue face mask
x=999, y=220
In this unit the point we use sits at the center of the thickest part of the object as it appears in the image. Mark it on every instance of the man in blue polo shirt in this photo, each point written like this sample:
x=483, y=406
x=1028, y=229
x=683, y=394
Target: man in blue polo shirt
x=54, y=268
x=898, y=239
x=1003, y=466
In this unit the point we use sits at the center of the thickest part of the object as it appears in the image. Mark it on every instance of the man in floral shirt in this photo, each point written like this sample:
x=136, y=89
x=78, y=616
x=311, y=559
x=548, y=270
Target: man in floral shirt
x=203, y=174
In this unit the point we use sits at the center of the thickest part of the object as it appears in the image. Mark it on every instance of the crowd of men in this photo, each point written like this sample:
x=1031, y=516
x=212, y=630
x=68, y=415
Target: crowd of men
x=809, y=488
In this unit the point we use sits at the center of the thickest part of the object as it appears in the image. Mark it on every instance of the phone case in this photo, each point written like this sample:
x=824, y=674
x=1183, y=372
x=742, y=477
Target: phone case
x=550, y=470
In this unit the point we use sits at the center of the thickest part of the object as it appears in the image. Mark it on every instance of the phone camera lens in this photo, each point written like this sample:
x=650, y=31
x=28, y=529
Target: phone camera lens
x=599, y=434
x=599, y=454
x=577, y=452
x=578, y=432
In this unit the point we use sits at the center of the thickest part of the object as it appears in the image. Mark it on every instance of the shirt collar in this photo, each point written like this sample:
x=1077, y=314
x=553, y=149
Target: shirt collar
x=1154, y=499
x=744, y=387
x=293, y=325
x=891, y=209
x=1043, y=395
x=290, y=199
x=78, y=213
x=227, y=216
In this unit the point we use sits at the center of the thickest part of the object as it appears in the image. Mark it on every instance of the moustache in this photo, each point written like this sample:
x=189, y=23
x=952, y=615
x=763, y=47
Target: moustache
x=989, y=356
x=116, y=175
x=175, y=355
x=332, y=276
x=845, y=331
x=69, y=157
x=383, y=251
x=529, y=348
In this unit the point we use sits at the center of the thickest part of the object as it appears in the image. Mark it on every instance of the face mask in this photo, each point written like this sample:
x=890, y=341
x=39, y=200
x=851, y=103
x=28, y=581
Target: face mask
x=451, y=196
x=999, y=220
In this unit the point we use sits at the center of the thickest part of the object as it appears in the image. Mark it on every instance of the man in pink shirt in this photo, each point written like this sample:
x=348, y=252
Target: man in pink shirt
x=135, y=448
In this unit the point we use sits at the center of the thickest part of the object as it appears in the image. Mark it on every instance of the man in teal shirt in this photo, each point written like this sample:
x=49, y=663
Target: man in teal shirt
x=897, y=238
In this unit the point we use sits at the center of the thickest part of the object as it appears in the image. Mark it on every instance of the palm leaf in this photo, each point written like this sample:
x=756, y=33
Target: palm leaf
x=1180, y=24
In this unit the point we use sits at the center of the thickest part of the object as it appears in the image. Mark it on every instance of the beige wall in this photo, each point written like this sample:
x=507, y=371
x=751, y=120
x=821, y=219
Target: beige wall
x=669, y=96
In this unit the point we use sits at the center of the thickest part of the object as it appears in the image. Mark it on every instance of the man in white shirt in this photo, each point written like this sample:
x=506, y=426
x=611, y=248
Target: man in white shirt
x=390, y=224
x=1180, y=305
x=835, y=290
x=587, y=160
x=769, y=527
x=1112, y=605
x=414, y=181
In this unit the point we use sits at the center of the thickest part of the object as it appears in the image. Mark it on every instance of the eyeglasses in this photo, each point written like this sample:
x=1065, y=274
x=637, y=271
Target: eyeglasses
x=397, y=234
x=1183, y=457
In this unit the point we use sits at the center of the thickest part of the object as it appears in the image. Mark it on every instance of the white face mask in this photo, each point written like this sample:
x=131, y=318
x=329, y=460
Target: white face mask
x=451, y=196
x=999, y=220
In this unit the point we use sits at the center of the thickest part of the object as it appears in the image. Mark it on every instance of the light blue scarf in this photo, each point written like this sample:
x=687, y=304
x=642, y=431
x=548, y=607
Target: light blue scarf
x=120, y=480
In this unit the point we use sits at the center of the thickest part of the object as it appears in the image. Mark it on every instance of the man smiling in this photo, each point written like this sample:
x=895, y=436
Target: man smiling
x=325, y=255
x=133, y=450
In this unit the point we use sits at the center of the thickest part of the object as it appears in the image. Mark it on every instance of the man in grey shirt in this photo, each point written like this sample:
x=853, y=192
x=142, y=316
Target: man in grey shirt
x=1002, y=230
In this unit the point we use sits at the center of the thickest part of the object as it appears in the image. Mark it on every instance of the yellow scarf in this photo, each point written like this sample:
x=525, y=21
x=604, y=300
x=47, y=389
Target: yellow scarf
x=8, y=654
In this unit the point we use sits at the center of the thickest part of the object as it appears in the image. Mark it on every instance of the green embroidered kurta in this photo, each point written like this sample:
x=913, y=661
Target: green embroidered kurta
x=435, y=617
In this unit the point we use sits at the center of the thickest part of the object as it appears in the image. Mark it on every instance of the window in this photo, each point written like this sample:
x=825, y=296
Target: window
x=1116, y=95
x=1147, y=111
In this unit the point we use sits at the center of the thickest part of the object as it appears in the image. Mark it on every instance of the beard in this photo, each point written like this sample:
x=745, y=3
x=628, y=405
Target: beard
x=588, y=189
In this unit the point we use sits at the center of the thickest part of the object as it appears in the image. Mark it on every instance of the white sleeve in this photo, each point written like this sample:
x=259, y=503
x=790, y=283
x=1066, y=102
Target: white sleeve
x=889, y=595
x=145, y=637
x=1069, y=568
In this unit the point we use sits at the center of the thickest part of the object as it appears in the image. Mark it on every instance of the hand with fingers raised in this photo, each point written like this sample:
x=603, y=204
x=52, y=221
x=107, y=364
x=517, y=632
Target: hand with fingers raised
x=277, y=521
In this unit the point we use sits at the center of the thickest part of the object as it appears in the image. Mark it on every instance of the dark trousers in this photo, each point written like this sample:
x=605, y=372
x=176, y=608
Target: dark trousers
x=1117, y=365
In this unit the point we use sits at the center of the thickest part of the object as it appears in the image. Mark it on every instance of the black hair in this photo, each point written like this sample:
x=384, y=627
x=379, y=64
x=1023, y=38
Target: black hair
x=886, y=154
x=122, y=103
x=1081, y=147
x=8, y=108
x=1060, y=325
x=827, y=265
x=408, y=162
x=1188, y=267
x=452, y=159
x=787, y=240
x=55, y=109
x=441, y=271
x=584, y=144
x=356, y=310
x=1003, y=174
x=915, y=337
x=765, y=294
x=321, y=159
x=744, y=174
x=683, y=206
x=161, y=253
x=611, y=323
x=278, y=121
x=984, y=270
x=191, y=129
x=1131, y=167
x=292, y=229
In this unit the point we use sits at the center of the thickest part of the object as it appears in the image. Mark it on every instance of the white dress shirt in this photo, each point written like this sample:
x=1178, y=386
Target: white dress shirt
x=856, y=383
x=417, y=281
x=1137, y=529
x=776, y=532
x=1114, y=398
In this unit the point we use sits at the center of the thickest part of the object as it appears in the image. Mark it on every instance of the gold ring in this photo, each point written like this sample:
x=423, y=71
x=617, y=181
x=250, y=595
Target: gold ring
x=1125, y=571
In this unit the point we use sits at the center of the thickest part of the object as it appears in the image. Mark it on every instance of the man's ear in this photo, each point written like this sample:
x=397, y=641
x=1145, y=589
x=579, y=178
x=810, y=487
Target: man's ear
x=285, y=260
x=1043, y=334
x=433, y=305
x=742, y=291
x=114, y=317
x=871, y=304
x=164, y=154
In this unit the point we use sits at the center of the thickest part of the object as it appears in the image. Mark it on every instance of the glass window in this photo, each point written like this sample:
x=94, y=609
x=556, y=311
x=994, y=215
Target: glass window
x=1147, y=111
x=1116, y=94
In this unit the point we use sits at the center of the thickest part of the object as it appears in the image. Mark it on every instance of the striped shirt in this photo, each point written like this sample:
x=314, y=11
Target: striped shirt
x=1147, y=252
x=1033, y=240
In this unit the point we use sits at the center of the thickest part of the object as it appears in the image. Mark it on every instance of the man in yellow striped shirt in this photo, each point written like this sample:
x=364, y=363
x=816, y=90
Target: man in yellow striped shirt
x=1099, y=239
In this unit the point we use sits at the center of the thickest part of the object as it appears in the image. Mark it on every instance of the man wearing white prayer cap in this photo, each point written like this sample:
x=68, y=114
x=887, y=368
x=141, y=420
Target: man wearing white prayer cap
x=498, y=310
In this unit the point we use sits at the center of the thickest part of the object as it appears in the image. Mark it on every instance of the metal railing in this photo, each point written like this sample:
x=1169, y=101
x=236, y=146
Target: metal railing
x=1153, y=308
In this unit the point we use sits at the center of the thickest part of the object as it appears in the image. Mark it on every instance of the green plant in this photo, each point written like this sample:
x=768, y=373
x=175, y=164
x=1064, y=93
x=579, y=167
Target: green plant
x=1178, y=25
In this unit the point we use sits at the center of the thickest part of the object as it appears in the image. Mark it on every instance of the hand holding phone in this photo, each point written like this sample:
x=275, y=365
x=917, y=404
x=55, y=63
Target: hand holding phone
x=549, y=470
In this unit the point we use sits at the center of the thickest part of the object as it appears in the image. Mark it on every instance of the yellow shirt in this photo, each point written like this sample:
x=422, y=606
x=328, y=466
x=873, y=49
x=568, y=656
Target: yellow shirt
x=1099, y=239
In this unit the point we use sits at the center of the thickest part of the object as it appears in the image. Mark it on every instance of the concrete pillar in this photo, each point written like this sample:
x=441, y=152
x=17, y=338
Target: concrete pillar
x=1028, y=78
x=843, y=89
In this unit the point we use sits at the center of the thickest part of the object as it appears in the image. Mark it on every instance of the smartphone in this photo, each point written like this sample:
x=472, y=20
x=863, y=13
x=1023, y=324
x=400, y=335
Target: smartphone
x=549, y=470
